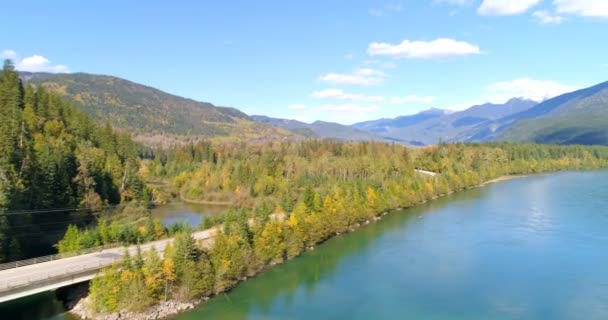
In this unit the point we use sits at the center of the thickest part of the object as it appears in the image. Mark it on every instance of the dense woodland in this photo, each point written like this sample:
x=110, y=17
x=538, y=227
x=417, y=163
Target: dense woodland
x=288, y=197
x=55, y=157
x=285, y=197
x=151, y=115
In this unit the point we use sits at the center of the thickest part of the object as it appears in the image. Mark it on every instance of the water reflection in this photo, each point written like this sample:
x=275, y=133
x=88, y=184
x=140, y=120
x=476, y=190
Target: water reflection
x=192, y=214
x=521, y=249
x=40, y=306
x=302, y=280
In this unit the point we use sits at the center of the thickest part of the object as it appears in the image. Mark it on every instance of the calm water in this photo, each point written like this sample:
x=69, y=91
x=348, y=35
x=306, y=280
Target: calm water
x=47, y=306
x=186, y=212
x=532, y=248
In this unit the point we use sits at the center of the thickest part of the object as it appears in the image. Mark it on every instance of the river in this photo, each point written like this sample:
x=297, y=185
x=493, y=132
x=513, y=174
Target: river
x=529, y=248
x=192, y=214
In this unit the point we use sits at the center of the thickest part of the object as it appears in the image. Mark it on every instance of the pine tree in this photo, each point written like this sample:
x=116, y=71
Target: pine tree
x=184, y=251
x=71, y=241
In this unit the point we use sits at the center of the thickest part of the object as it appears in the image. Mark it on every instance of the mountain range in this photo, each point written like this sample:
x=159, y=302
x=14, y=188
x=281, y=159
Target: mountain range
x=579, y=117
x=323, y=130
x=159, y=118
x=435, y=125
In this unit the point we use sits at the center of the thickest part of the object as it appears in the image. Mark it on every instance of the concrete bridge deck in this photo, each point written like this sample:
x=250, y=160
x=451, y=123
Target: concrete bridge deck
x=50, y=275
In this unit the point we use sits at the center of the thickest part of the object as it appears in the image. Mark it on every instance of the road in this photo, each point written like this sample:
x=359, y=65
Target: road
x=31, y=279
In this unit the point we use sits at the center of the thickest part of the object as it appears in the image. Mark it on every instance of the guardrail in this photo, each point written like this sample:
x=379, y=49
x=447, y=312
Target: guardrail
x=27, y=262
x=39, y=279
x=80, y=269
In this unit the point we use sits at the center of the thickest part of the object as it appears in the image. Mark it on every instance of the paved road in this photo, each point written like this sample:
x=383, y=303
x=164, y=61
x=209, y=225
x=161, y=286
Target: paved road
x=44, y=273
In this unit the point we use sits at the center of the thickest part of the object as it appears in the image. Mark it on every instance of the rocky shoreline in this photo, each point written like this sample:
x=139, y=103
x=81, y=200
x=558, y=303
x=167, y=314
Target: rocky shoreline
x=161, y=310
x=77, y=306
x=75, y=299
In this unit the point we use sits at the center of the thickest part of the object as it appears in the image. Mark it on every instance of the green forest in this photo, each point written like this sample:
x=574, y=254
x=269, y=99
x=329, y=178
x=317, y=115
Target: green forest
x=288, y=197
x=55, y=157
x=59, y=166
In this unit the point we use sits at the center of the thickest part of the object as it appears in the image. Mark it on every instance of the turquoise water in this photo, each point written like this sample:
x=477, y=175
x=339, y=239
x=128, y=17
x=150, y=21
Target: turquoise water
x=532, y=248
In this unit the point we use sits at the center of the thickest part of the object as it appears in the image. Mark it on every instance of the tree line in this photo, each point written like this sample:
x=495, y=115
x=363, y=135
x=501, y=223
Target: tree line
x=53, y=156
x=290, y=196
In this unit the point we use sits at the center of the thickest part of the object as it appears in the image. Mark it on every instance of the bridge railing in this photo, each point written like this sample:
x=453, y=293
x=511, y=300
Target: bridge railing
x=27, y=262
x=43, y=276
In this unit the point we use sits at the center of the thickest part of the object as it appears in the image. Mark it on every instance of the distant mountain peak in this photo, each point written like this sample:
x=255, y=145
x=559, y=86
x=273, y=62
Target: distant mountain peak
x=519, y=100
x=433, y=111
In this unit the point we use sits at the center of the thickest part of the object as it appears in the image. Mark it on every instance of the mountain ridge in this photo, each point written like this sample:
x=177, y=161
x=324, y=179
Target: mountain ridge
x=320, y=129
x=150, y=113
x=443, y=125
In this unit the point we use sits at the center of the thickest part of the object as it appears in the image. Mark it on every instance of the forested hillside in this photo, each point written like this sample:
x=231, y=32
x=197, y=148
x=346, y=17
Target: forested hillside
x=321, y=129
x=154, y=116
x=53, y=156
x=288, y=197
x=579, y=117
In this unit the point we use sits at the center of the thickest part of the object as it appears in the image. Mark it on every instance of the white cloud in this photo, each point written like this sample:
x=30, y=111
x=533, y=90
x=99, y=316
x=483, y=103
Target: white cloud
x=454, y=2
x=361, y=77
x=34, y=63
x=537, y=90
x=381, y=64
x=505, y=7
x=439, y=48
x=386, y=10
x=9, y=54
x=587, y=8
x=348, y=108
x=297, y=106
x=526, y=88
x=341, y=95
x=412, y=99
x=38, y=63
x=546, y=17
x=338, y=94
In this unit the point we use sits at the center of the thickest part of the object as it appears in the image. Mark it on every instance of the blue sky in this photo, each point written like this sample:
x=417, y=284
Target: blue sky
x=343, y=61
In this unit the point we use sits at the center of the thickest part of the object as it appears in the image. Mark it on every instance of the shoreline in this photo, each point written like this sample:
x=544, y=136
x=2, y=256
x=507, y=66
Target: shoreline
x=505, y=178
x=170, y=308
x=205, y=202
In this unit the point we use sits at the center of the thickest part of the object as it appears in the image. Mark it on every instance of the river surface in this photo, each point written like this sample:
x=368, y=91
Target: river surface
x=529, y=248
x=192, y=214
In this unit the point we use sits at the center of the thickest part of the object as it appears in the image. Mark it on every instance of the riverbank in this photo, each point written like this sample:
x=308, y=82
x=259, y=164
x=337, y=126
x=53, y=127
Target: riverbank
x=504, y=178
x=166, y=309
x=162, y=310
x=417, y=264
x=205, y=202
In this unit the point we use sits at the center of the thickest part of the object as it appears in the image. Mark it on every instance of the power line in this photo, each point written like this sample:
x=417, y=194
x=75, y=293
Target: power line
x=55, y=210
x=28, y=225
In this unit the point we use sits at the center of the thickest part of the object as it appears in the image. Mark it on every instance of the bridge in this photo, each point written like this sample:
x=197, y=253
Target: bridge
x=23, y=278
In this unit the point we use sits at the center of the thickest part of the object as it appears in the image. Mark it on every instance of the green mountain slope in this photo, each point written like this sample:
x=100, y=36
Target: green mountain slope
x=588, y=128
x=156, y=117
x=579, y=117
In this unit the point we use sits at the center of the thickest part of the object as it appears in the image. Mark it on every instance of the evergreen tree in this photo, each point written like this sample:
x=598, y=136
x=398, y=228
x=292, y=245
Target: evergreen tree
x=71, y=241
